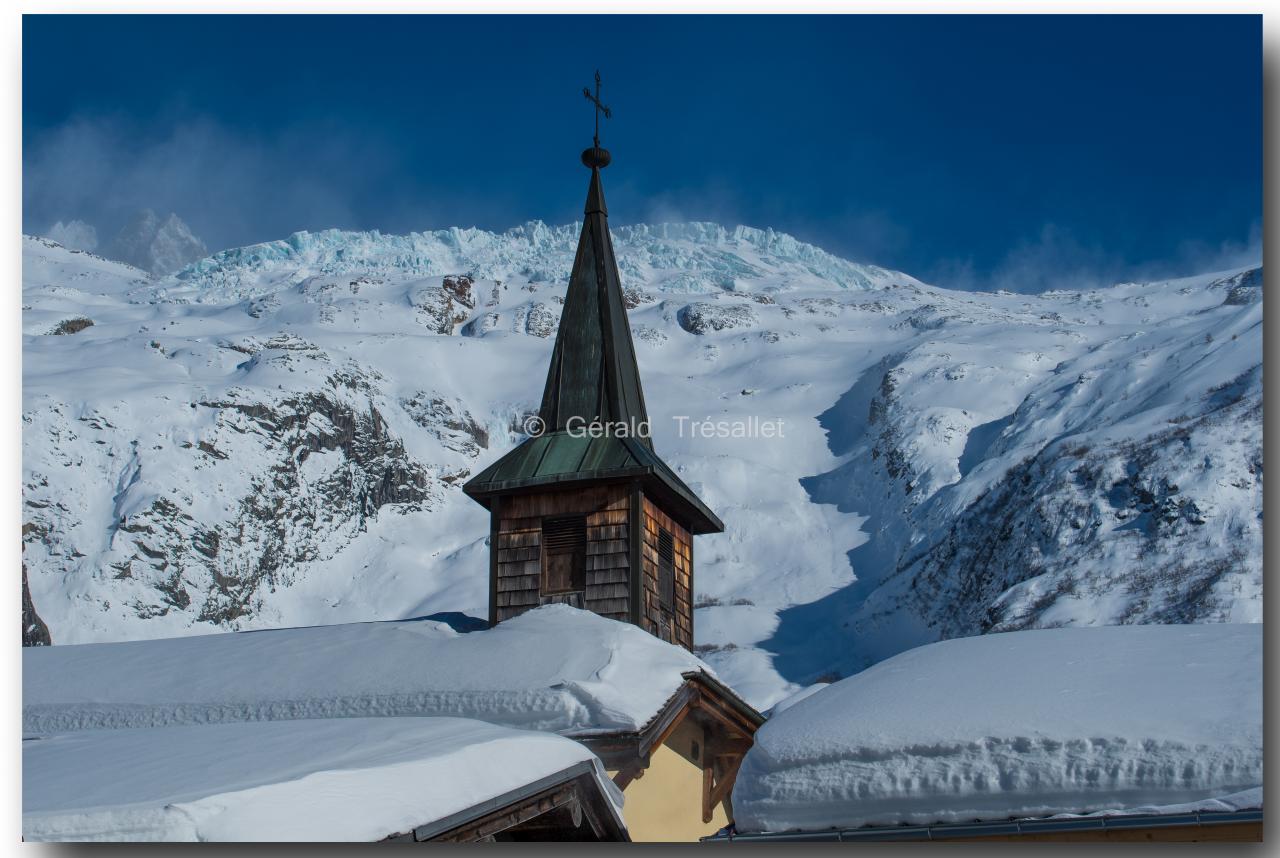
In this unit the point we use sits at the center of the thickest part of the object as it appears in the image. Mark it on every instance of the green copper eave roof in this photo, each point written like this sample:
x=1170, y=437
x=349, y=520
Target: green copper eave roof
x=558, y=458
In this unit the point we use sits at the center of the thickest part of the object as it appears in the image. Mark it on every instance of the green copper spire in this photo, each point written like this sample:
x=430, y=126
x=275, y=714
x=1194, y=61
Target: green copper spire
x=593, y=375
x=593, y=381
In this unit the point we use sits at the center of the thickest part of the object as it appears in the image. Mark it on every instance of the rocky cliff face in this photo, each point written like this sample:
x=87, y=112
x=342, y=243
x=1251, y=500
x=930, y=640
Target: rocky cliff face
x=1018, y=489
x=278, y=435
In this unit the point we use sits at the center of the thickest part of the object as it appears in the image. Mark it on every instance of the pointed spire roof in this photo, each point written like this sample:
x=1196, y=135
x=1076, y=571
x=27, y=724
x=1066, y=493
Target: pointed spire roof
x=593, y=377
x=593, y=374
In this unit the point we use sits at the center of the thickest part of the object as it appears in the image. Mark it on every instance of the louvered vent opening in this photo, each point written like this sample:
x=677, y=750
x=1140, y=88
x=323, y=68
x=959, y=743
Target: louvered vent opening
x=564, y=554
x=666, y=570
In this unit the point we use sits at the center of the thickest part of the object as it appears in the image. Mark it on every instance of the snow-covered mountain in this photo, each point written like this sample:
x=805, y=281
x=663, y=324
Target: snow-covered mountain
x=277, y=435
x=155, y=244
x=74, y=234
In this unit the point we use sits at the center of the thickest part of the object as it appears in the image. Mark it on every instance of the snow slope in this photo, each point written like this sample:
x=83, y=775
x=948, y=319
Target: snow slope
x=344, y=779
x=555, y=669
x=1016, y=724
x=276, y=436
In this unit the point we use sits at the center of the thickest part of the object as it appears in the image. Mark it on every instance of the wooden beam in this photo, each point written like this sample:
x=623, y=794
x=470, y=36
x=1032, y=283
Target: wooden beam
x=726, y=716
x=495, y=507
x=708, y=776
x=633, y=772
x=588, y=811
x=726, y=782
x=635, y=528
x=689, y=537
x=509, y=817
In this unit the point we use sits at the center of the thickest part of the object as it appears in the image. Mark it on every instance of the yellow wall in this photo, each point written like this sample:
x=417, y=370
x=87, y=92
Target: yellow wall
x=666, y=804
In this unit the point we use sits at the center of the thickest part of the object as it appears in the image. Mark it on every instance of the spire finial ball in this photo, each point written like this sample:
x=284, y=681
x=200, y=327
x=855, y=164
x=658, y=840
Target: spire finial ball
x=595, y=157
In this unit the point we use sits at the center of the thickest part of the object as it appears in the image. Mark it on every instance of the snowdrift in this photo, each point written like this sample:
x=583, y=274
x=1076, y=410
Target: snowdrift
x=554, y=669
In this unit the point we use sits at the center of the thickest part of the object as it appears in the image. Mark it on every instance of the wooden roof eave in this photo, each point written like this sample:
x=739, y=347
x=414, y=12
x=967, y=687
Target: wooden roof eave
x=699, y=691
x=493, y=816
x=696, y=516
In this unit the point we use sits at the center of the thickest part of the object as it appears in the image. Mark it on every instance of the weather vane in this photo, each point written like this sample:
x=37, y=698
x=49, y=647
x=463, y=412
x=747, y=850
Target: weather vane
x=600, y=107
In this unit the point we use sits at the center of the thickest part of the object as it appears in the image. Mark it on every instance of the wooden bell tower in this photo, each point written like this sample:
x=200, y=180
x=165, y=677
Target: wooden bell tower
x=584, y=512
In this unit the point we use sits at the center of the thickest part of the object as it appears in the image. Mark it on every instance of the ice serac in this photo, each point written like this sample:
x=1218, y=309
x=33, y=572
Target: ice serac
x=154, y=244
x=681, y=258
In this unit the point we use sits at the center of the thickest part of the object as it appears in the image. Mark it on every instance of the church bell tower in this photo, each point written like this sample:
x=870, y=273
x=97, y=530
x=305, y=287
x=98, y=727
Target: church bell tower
x=586, y=513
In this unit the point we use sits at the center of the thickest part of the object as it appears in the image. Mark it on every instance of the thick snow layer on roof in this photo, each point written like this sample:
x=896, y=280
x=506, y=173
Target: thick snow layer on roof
x=555, y=668
x=1019, y=724
x=346, y=779
x=1248, y=799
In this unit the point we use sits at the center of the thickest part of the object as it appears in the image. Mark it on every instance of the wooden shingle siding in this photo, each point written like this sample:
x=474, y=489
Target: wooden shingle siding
x=620, y=575
x=606, y=546
x=520, y=539
x=610, y=531
x=606, y=591
x=651, y=613
x=516, y=555
x=519, y=556
x=608, y=585
x=602, y=562
x=534, y=507
x=517, y=599
x=511, y=583
x=608, y=564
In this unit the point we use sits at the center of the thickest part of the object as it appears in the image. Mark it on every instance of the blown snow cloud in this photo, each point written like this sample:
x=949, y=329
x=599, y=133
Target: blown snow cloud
x=100, y=171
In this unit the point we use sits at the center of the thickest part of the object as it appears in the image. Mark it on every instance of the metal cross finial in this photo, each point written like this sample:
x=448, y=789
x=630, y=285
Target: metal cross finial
x=600, y=108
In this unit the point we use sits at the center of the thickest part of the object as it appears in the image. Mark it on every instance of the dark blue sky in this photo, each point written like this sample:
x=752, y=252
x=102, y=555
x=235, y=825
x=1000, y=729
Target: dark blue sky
x=966, y=150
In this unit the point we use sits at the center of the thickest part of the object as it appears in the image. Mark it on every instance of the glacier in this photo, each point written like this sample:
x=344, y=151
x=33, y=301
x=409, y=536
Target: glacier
x=276, y=435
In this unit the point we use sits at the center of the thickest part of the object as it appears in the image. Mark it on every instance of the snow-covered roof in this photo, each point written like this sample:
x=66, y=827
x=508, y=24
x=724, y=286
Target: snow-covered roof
x=341, y=779
x=555, y=668
x=1020, y=724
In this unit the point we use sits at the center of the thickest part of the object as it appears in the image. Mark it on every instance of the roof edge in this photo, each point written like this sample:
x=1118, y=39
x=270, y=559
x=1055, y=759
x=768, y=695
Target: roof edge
x=1024, y=826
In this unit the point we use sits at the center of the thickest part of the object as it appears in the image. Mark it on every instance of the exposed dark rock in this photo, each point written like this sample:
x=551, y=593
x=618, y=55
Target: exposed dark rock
x=443, y=309
x=34, y=631
x=449, y=422
x=537, y=321
x=72, y=326
x=633, y=296
x=703, y=317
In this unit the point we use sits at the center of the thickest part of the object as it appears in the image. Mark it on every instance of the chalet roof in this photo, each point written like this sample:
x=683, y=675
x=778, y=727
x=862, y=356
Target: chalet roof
x=865, y=752
x=330, y=779
x=555, y=668
x=593, y=378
